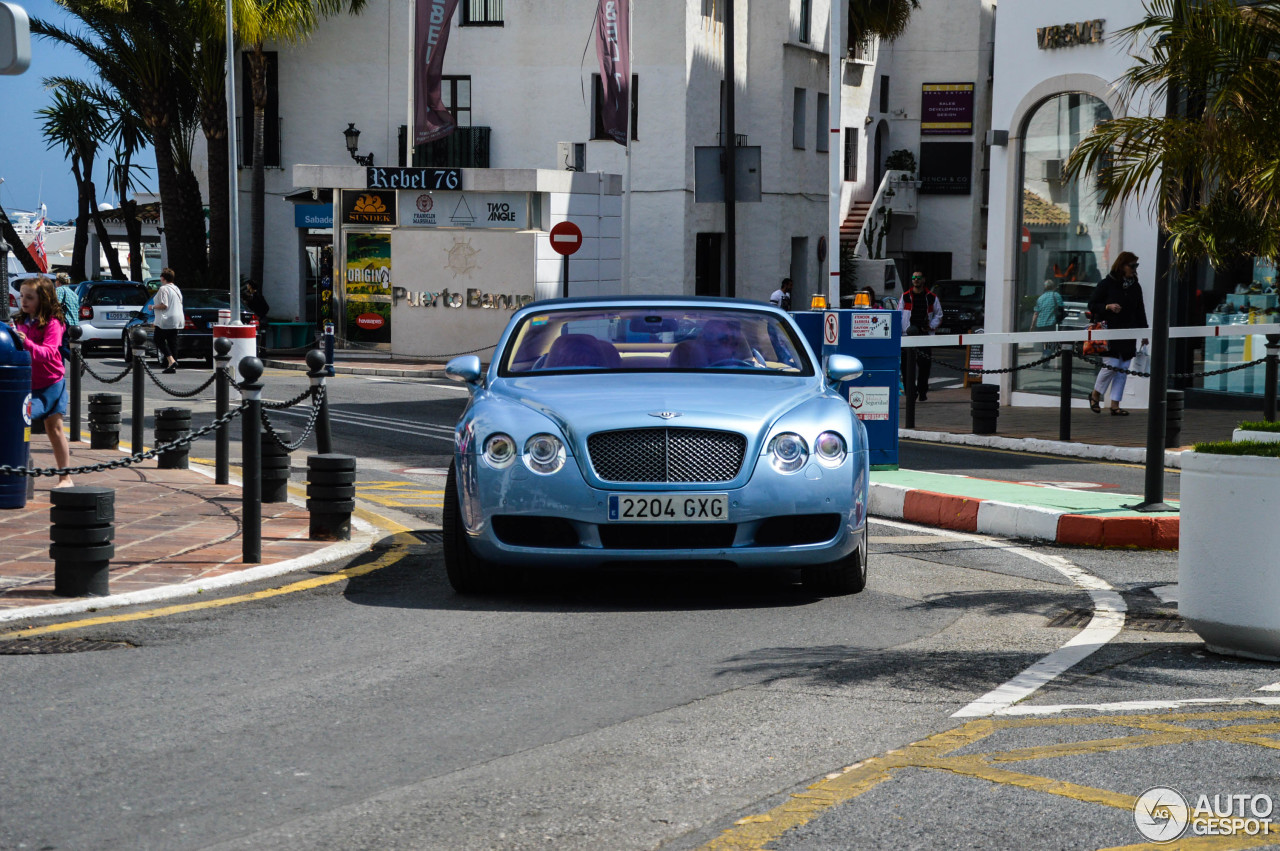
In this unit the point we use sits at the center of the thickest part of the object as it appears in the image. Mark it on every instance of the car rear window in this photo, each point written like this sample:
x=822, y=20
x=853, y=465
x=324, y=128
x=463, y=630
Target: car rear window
x=1076, y=292
x=206, y=298
x=955, y=291
x=654, y=339
x=117, y=296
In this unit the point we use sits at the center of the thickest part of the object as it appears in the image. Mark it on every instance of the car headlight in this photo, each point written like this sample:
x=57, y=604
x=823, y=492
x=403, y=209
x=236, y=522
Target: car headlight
x=544, y=453
x=830, y=449
x=499, y=450
x=789, y=452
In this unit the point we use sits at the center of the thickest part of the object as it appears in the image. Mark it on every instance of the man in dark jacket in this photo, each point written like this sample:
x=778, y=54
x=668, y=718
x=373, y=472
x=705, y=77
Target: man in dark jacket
x=1117, y=300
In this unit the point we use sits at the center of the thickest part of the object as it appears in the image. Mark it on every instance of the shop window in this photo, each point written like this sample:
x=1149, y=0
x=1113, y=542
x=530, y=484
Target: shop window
x=1064, y=236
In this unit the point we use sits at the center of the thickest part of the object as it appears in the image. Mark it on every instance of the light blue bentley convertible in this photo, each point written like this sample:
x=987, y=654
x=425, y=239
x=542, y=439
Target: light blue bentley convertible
x=629, y=430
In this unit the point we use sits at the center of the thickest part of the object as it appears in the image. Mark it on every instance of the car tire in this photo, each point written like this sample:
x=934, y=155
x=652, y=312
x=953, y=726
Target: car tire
x=845, y=576
x=468, y=573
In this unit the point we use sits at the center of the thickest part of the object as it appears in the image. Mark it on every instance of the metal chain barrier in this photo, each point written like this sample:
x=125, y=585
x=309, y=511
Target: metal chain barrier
x=128, y=459
x=180, y=394
x=297, y=400
x=318, y=393
x=84, y=367
x=1098, y=363
x=924, y=353
x=231, y=378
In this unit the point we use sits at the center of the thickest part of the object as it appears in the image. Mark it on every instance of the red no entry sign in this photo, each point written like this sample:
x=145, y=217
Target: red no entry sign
x=566, y=238
x=1026, y=240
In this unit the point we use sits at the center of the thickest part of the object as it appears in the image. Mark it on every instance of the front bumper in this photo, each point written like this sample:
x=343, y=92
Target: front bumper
x=516, y=517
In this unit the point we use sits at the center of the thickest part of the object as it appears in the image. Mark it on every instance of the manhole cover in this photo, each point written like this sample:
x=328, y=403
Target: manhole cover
x=32, y=646
x=1137, y=621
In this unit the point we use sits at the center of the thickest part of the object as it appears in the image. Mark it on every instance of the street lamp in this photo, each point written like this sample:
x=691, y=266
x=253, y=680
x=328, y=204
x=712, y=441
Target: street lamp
x=353, y=142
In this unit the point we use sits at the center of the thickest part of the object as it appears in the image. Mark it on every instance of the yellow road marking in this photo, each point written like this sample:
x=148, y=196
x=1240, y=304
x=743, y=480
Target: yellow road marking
x=398, y=551
x=755, y=832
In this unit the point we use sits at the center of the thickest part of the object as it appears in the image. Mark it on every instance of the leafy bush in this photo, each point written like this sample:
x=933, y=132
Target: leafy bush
x=901, y=160
x=1242, y=447
x=1260, y=425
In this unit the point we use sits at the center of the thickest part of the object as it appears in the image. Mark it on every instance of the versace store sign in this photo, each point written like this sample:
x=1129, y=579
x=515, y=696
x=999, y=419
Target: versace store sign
x=1070, y=35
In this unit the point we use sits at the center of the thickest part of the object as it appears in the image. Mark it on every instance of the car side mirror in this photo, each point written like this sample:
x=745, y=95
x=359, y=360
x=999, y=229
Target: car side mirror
x=842, y=368
x=465, y=368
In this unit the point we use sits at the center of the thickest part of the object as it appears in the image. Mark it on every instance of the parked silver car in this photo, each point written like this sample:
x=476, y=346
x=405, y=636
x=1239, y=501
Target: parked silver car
x=105, y=309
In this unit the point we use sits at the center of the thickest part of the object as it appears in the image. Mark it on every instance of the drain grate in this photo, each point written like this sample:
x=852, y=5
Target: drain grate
x=436, y=537
x=37, y=646
x=1137, y=621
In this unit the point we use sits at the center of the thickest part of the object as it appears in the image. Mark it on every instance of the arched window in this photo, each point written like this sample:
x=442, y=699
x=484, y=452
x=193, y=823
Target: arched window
x=1063, y=235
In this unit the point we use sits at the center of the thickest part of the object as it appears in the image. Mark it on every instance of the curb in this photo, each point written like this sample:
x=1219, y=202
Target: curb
x=1124, y=454
x=1007, y=520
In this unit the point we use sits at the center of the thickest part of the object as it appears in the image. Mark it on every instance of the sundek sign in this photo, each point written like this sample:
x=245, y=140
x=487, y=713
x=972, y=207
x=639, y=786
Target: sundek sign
x=312, y=216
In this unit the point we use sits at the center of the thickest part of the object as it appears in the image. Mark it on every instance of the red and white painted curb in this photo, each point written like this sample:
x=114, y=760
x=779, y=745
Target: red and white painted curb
x=1023, y=522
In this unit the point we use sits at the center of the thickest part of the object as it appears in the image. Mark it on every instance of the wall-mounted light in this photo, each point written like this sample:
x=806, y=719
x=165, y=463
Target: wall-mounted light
x=997, y=138
x=353, y=143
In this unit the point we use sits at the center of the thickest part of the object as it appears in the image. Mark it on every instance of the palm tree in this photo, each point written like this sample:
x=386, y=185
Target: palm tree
x=77, y=123
x=885, y=19
x=289, y=21
x=1210, y=166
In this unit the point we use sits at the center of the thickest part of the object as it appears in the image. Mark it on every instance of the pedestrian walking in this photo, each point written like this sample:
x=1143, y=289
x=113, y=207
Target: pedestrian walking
x=1049, y=311
x=169, y=318
x=921, y=314
x=782, y=295
x=1117, y=301
x=40, y=332
x=255, y=301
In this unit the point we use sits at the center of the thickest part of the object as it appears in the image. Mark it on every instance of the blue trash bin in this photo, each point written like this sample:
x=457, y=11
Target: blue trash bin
x=15, y=418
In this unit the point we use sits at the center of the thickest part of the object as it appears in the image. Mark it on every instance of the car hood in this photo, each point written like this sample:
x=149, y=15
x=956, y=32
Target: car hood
x=583, y=404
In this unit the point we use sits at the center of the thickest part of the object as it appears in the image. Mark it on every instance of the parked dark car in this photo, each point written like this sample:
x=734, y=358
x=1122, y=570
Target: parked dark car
x=1075, y=299
x=195, y=341
x=106, y=307
x=963, y=305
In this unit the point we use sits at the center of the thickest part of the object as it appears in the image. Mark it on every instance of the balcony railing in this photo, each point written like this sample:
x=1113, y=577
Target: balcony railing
x=465, y=147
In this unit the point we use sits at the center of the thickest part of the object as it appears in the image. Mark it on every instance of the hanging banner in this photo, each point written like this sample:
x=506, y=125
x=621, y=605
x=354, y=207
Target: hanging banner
x=613, y=47
x=36, y=248
x=367, y=288
x=431, y=117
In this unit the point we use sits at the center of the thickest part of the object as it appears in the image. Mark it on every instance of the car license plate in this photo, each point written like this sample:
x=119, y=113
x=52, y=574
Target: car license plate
x=669, y=507
x=119, y=315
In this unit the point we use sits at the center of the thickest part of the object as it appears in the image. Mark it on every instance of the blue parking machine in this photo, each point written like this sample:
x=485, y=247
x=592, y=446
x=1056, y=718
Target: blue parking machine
x=15, y=417
x=875, y=338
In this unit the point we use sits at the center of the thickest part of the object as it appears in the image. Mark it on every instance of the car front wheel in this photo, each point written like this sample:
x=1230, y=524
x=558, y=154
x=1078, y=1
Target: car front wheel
x=468, y=573
x=845, y=576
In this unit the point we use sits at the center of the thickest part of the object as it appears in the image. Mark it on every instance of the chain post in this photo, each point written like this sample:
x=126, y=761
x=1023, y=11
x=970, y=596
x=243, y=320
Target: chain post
x=222, y=402
x=319, y=370
x=138, y=339
x=1064, y=390
x=328, y=346
x=251, y=460
x=73, y=384
x=1272, y=375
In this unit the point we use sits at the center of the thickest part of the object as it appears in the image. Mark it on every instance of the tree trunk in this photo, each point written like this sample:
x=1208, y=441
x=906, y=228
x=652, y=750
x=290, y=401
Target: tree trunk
x=214, y=125
x=133, y=233
x=81, y=244
x=172, y=211
x=113, y=259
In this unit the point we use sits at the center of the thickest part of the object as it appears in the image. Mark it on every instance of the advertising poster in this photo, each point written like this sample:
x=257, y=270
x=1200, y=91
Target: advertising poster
x=946, y=168
x=367, y=288
x=946, y=109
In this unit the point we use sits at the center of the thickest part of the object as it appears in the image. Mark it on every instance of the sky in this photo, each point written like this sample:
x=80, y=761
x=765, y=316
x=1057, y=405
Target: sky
x=31, y=173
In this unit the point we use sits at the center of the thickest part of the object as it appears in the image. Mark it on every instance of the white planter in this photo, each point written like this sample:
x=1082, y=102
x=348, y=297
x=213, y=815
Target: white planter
x=1259, y=436
x=1229, y=552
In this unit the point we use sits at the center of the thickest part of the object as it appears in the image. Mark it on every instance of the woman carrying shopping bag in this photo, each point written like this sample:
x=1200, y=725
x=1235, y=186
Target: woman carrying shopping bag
x=1117, y=300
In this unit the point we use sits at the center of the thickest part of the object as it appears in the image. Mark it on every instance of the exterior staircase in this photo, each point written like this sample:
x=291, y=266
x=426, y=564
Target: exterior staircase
x=851, y=227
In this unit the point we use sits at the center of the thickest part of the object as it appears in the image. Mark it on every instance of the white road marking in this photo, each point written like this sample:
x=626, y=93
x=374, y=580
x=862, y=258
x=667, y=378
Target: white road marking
x=1272, y=687
x=1108, y=620
x=368, y=421
x=1139, y=705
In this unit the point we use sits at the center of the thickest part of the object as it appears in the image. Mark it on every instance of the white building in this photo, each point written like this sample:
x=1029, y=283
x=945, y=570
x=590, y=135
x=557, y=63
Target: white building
x=522, y=80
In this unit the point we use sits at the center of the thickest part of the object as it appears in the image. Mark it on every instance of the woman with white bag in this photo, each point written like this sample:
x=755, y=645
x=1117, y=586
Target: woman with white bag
x=1117, y=300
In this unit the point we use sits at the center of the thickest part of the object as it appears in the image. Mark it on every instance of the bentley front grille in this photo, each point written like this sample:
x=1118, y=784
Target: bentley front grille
x=666, y=455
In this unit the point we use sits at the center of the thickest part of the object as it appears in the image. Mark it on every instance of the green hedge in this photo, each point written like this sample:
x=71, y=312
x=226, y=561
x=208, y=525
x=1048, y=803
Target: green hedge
x=1260, y=425
x=1243, y=447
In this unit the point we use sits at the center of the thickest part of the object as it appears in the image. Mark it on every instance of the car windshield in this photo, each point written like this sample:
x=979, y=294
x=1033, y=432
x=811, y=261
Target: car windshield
x=655, y=339
x=1076, y=292
x=959, y=292
x=205, y=298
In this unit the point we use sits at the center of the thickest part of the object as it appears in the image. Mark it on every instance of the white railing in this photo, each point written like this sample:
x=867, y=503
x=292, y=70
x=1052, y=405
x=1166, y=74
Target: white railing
x=1084, y=334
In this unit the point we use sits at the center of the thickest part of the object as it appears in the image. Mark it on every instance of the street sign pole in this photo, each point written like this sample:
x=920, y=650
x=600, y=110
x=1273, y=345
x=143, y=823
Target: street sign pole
x=564, y=282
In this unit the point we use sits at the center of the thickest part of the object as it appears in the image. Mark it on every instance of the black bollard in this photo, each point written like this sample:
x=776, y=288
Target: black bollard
x=82, y=527
x=1174, y=402
x=909, y=386
x=104, y=420
x=138, y=339
x=1064, y=390
x=275, y=467
x=984, y=407
x=222, y=404
x=73, y=384
x=317, y=373
x=172, y=424
x=1272, y=373
x=331, y=496
x=251, y=459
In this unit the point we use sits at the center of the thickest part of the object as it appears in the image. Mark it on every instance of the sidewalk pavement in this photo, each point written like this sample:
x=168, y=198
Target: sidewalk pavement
x=177, y=532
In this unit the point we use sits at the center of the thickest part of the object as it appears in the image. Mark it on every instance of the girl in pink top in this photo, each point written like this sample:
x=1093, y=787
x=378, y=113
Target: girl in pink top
x=41, y=332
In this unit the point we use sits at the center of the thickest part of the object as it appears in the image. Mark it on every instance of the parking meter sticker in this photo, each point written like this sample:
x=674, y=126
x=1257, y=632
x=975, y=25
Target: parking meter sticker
x=26, y=412
x=870, y=325
x=870, y=403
